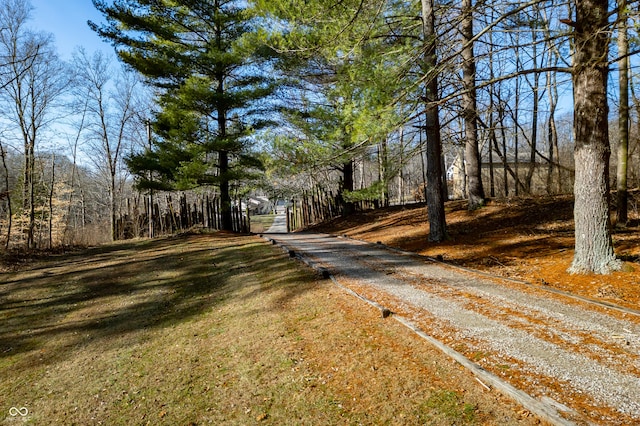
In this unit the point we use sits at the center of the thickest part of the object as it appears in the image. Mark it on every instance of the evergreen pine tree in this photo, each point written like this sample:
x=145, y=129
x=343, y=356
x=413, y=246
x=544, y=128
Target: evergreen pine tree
x=202, y=56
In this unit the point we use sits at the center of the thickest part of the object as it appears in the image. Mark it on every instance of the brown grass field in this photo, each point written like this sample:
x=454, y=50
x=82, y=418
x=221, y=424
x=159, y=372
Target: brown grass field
x=225, y=329
x=215, y=329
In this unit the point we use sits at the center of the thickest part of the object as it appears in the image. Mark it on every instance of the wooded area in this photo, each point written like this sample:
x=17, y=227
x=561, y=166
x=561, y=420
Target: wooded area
x=380, y=102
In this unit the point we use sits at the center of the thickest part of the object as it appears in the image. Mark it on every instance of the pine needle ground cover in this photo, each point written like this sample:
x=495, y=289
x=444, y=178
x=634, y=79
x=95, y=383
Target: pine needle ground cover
x=215, y=329
x=526, y=239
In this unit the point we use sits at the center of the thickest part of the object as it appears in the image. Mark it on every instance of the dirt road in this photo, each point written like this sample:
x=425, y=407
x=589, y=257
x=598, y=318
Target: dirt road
x=580, y=360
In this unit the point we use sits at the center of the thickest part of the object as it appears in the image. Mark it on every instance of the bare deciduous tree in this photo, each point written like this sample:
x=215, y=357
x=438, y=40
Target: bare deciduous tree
x=112, y=116
x=623, y=116
x=475, y=189
x=5, y=194
x=34, y=79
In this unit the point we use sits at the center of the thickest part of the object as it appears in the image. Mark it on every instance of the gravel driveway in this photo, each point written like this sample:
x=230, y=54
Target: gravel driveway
x=580, y=358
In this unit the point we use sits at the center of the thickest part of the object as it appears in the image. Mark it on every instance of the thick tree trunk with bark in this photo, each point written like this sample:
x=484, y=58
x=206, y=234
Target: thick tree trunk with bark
x=475, y=190
x=225, y=193
x=226, y=215
x=434, y=191
x=593, y=242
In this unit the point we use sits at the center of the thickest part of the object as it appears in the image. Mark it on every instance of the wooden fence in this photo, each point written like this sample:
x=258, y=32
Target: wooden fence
x=184, y=211
x=318, y=206
x=171, y=215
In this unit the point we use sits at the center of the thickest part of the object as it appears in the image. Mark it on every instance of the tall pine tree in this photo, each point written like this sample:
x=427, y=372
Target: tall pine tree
x=344, y=61
x=202, y=57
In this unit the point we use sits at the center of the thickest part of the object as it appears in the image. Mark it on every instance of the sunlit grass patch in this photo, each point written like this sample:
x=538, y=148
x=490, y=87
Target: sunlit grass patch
x=261, y=223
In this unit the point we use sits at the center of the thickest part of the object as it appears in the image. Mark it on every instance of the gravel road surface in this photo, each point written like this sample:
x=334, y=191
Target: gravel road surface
x=279, y=225
x=581, y=358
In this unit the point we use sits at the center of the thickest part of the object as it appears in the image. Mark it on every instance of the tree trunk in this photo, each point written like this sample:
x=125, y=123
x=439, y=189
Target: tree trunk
x=226, y=215
x=534, y=115
x=475, y=190
x=401, y=171
x=225, y=192
x=492, y=108
x=347, y=185
x=112, y=207
x=505, y=161
x=516, y=115
x=150, y=216
x=492, y=137
x=6, y=194
x=552, y=131
x=443, y=176
x=383, y=161
x=30, y=170
x=593, y=242
x=459, y=175
x=623, y=118
x=51, y=193
x=434, y=191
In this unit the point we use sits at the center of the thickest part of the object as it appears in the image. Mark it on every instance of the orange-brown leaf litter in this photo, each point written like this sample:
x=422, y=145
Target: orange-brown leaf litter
x=528, y=239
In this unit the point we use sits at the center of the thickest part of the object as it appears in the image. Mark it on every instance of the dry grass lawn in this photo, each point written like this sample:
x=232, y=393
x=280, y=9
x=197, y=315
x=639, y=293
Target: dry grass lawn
x=215, y=329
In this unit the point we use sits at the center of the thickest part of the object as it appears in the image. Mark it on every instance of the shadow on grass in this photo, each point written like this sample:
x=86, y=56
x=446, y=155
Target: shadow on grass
x=102, y=295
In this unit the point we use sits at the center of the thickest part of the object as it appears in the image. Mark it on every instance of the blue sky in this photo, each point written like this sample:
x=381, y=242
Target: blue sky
x=67, y=21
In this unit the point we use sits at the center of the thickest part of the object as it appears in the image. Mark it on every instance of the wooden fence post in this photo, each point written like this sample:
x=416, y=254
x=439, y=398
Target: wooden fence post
x=288, y=219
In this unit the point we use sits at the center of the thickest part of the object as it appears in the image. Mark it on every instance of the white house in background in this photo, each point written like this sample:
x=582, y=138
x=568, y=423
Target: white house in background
x=259, y=205
x=281, y=206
